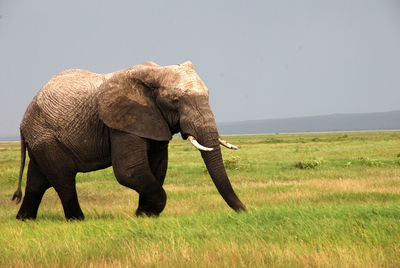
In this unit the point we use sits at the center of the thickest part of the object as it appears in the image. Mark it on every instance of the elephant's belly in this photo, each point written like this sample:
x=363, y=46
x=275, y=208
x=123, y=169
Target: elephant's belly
x=87, y=166
x=90, y=153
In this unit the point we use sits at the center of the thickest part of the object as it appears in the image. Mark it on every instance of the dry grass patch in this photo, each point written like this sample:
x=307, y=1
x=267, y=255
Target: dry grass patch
x=379, y=185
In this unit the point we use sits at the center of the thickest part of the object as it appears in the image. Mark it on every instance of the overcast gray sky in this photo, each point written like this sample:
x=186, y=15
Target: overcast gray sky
x=260, y=59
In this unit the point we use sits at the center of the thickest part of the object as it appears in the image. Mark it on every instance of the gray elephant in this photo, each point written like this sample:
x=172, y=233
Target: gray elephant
x=82, y=121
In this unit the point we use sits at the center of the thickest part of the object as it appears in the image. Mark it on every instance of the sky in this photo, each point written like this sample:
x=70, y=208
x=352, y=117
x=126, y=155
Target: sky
x=259, y=59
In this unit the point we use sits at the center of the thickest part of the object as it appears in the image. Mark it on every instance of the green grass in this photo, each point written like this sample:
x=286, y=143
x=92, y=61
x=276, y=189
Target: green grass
x=340, y=209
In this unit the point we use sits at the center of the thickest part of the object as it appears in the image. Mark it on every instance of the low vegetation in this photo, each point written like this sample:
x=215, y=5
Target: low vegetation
x=326, y=199
x=308, y=164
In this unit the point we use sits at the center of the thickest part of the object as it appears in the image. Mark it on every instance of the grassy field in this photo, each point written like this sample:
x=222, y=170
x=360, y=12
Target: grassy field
x=318, y=199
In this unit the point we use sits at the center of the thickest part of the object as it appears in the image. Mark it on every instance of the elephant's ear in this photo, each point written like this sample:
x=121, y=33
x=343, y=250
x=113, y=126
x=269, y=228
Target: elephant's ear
x=126, y=103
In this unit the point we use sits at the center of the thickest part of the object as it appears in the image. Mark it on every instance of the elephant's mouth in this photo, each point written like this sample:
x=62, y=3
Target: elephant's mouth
x=176, y=129
x=194, y=142
x=187, y=132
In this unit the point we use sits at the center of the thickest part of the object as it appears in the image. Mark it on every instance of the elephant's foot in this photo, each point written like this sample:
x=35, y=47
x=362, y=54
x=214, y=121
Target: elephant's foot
x=70, y=203
x=26, y=213
x=24, y=216
x=140, y=212
x=152, y=203
x=30, y=205
x=76, y=218
x=73, y=212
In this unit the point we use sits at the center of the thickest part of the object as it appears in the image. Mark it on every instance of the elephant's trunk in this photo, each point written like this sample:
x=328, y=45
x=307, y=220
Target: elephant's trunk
x=215, y=167
x=202, y=127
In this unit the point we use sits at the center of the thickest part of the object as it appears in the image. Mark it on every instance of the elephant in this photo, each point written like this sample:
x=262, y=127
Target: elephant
x=82, y=121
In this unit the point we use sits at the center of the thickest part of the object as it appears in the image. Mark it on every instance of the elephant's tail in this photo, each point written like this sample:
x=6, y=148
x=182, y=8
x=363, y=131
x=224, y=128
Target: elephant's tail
x=18, y=193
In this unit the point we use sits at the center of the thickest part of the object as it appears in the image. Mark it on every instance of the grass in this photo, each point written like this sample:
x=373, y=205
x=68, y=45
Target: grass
x=342, y=212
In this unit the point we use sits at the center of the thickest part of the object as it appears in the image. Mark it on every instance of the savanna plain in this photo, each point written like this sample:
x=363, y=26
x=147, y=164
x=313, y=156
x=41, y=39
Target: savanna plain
x=315, y=199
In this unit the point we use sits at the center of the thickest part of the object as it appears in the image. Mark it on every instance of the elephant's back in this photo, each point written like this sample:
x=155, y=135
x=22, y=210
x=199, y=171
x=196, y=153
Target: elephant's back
x=65, y=109
x=68, y=95
x=68, y=92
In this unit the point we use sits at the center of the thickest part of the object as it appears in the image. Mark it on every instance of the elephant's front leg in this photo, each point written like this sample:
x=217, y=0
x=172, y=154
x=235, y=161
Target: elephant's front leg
x=158, y=159
x=129, y=155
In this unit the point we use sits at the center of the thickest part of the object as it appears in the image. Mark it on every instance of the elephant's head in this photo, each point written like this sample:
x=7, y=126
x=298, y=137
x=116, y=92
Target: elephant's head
x=156, y=102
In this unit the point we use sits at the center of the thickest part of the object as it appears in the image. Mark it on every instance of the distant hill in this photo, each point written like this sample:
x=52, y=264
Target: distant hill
x=323, y=123
x=9, y=138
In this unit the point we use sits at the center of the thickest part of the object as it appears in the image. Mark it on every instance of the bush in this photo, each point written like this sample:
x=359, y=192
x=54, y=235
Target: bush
x=232, y=163
x=271, y=141
x=370, y=162
x=308, y=164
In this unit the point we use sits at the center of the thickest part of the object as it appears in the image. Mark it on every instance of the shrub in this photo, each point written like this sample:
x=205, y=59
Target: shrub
x=370, y=162
x=271, y=141
x=232, y=163
x=308, y=164
x=205, y=171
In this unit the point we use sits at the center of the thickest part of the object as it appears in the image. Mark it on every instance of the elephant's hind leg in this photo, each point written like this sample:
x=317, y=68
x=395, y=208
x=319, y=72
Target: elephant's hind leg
x=131, y=168
x=63, y=181
x=69, y=198
x=36, y=186
x=58, y=165
x=64, y=184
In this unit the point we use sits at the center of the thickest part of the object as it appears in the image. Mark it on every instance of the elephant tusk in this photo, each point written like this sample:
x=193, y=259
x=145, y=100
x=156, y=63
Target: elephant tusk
x=227, y=144
x=198, y=145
